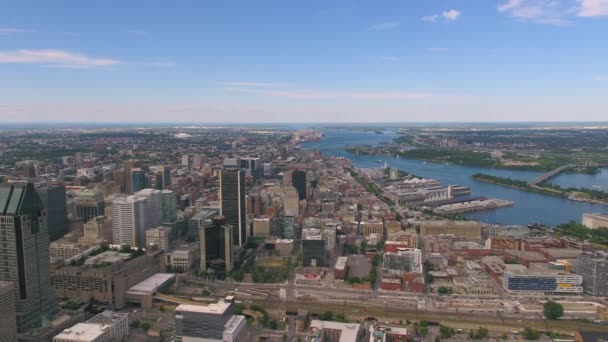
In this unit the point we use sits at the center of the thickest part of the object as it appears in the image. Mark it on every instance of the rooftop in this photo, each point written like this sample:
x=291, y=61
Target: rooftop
x=233, y=323
x=107, y=257
x=350, y=331
x=214, y=308
x=341, y=263
x=205, y=213
x=108, y=317
x=151, y=284
x=83, y=332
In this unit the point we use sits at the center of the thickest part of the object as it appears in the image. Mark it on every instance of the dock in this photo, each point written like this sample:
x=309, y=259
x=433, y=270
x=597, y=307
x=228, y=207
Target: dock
x=473, y=205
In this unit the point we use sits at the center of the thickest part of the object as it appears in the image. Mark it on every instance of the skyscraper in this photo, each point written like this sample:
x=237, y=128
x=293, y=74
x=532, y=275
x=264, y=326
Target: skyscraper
x=299, y=182
x=138, y=180
x=128, y=186
x=233, y=208
x=169, y=207
x=215, y=240
x=162, y=176
x=153, y=206
x=128, y=221
x=25, y=254
x=8, y=325
x=54, y=200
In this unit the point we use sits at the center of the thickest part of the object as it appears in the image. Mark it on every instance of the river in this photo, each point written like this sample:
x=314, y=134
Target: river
x=528, y=208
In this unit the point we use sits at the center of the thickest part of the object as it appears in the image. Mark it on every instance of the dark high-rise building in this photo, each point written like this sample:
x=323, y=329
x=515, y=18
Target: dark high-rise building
x=54, y=200
x=24, y=256
x=233, y=205
x=298, y=179
x=162, y=176
x=215, y=242
x=138, y=180
x=252, y=166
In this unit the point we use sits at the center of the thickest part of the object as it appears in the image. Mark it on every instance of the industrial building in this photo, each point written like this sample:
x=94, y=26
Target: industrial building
x=595, y=221
x=466, y=229
x=541, y=282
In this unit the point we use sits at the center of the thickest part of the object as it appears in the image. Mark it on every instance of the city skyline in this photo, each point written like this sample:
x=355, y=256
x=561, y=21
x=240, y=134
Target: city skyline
x=276, y=62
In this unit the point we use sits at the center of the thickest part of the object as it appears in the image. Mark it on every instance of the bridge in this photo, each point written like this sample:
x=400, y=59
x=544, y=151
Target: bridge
x=549, y=175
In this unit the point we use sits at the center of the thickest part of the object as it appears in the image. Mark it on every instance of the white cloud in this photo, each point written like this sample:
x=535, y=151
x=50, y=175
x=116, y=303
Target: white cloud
x=56, y=58
x=451, y=14
x=601, y=78
x=430, y=18
x=553, y=12
x=12, y=30
x=387, y=25
x=593, y=8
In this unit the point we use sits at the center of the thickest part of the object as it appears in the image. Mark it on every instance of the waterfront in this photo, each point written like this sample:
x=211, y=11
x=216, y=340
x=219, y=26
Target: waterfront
x=528, y=208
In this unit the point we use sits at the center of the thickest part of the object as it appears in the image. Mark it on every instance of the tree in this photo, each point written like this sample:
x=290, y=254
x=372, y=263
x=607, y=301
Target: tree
x=531, y=334
x=145, y=326
x=446, y=332
x=327, y=316
x=553, y=310
x=480, y=334
x=238, y=275
x=442, y=290
x=424, y=330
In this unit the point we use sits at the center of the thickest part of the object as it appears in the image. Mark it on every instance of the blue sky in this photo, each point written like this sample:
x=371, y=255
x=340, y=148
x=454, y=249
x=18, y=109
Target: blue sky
x=304, y=61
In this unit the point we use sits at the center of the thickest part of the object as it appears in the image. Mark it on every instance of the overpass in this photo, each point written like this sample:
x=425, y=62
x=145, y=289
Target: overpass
x=549, y=175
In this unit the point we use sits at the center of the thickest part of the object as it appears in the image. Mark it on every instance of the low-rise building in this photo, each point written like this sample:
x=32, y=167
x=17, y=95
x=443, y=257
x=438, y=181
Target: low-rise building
x=107, y=326
x=182, y=258
x=213, y=322
x=371, y=227
x=405, y=260
x=107, y=278
x=64, y=250
x=340, y=268
x=261, y=227
x=158, y=238
x=542, y=282
x=333, y=331
x=466, y=229
x=381, y=333
x=595, y=221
